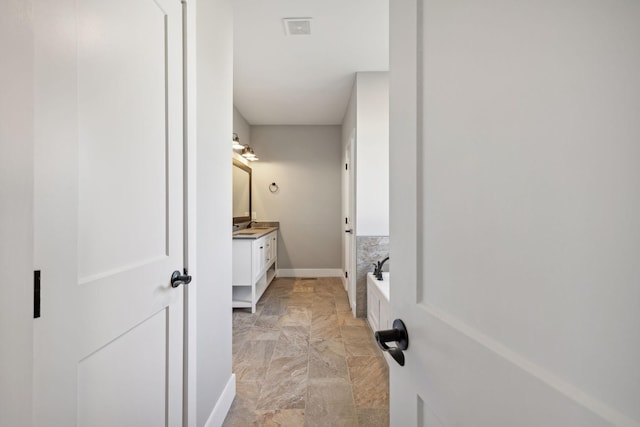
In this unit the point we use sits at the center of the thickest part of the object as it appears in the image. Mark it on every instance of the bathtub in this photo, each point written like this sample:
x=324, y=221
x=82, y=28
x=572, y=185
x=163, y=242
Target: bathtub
x=378, y=302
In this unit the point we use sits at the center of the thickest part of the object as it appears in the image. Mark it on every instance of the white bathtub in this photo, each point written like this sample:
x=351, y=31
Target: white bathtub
x=378, y=302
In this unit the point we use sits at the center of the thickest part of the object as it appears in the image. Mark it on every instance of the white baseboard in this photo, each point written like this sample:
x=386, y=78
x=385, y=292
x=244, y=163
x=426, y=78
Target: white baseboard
x=310, y=272
x=223, y=404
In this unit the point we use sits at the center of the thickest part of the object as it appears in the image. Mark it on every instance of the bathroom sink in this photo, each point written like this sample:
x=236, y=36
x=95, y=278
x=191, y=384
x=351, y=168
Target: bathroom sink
x=245, y=233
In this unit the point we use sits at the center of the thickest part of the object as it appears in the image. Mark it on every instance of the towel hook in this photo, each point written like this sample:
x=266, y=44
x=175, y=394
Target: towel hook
x=273, y=187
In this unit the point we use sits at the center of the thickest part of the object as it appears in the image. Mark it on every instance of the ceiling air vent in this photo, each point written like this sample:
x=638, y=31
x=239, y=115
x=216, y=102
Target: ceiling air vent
x=297, y=26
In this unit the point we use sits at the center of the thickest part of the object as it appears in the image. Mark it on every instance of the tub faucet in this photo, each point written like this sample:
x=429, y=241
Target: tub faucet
x=377, y=268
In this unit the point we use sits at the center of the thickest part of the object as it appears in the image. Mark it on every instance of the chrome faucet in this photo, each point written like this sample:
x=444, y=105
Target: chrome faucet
x=377, y=268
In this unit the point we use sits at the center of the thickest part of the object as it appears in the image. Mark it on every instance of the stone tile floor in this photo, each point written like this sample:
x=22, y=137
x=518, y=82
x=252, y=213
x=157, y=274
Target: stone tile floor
x=303, y=360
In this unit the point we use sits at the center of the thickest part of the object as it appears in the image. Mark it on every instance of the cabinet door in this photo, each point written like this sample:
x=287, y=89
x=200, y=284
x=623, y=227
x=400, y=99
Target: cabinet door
x=274, y=245
x=242, y=273
x=267, y=250
x=258, y=257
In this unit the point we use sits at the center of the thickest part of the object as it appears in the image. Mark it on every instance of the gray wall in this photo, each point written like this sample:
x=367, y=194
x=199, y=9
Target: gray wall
x=305, y=162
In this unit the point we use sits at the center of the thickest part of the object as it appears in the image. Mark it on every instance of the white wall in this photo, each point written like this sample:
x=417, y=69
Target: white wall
x=372, y=153
x=214, y=94
x=305, y=162
x=16, y=213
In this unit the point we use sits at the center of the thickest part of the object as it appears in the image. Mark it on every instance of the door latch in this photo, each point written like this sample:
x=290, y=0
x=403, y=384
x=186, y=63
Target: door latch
x=399, y=335
x=178, y=279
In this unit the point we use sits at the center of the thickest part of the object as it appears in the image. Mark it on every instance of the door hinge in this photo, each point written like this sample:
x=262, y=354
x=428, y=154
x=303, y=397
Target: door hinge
x=346, y=166
x=346, y=220
x=36, y=294
x=346, y=274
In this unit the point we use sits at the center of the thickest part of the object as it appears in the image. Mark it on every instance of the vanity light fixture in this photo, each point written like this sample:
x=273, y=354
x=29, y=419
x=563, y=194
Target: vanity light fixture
x=247, y=153
x=236, y=142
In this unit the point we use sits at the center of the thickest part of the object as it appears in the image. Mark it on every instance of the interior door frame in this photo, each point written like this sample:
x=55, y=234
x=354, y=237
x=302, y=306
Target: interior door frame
x=189, y=414
x=16, y=220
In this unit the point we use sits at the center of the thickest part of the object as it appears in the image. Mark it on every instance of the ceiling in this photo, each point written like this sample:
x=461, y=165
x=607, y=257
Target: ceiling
x=305, y=79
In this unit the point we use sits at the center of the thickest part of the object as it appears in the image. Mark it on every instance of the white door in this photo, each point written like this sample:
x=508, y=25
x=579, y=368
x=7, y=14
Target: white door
x=109, y=212
x=515, y=212
x=348, y=196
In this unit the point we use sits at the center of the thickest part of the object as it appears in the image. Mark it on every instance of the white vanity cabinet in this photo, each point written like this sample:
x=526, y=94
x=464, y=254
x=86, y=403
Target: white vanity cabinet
x=254, y=267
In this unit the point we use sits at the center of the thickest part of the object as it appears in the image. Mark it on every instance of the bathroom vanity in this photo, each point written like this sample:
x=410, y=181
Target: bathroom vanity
x=255, y=255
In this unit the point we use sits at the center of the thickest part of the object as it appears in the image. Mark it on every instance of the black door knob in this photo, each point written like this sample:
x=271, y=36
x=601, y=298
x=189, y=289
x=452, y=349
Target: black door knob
x=398, y=335
x=178, y=279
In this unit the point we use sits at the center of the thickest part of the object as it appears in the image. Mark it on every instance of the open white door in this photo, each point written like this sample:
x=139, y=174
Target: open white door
x=348, y=193
x=109, y=212
x=515, y=212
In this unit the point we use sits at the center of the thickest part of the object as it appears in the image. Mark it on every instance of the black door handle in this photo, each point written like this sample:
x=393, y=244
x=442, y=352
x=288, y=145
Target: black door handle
x=348, y=231
x=178, y=279
x=398, y=334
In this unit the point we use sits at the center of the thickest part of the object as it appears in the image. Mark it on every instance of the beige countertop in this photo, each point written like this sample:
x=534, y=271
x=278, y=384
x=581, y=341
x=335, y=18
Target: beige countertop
x=253, y=233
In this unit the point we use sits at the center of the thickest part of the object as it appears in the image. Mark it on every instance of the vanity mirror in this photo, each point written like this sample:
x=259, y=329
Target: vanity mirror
x=241, y=192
